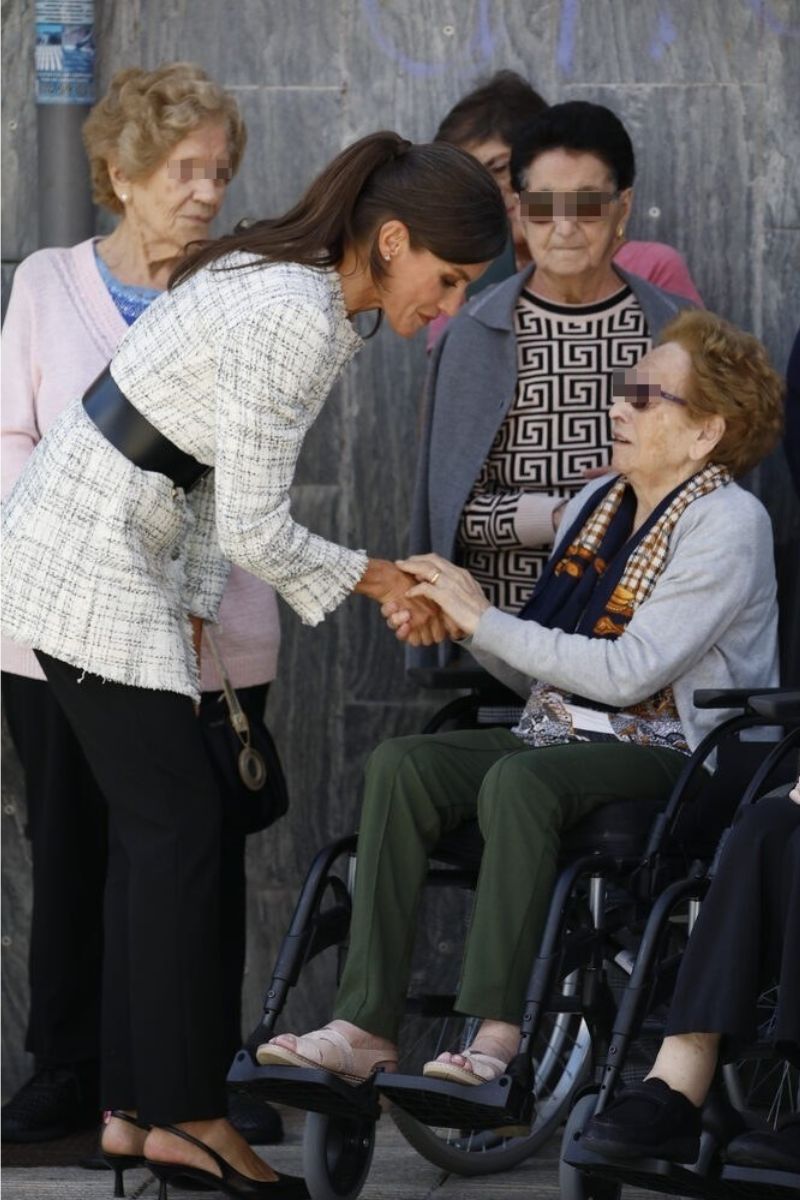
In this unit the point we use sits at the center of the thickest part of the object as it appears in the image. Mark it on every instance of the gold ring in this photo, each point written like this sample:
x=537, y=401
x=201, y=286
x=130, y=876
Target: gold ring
x=434, y=577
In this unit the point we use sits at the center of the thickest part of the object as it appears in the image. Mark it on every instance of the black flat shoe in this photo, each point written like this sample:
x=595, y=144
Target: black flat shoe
x=647, y=1120
x=53, y=1103
x=120, y=1163
x=777, y=1149
x=230, y=1181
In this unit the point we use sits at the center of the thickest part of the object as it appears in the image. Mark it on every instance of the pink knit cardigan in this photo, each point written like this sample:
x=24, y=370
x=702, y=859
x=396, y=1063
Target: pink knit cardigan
x=61, y=329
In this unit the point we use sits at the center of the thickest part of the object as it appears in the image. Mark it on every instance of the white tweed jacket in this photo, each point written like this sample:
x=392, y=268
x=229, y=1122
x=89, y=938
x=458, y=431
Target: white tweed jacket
x=103, y=562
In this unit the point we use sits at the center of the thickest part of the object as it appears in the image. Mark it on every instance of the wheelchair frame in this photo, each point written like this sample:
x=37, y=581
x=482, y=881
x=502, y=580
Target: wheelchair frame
x=508, y=1101
x=591, y=1175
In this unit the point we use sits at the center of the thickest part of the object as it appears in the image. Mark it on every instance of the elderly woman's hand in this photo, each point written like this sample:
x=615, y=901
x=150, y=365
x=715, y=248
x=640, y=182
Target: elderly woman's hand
x=459, y=597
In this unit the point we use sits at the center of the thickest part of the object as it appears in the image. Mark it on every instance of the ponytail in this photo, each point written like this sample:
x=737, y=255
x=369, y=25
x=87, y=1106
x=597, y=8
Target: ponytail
x=448, y=201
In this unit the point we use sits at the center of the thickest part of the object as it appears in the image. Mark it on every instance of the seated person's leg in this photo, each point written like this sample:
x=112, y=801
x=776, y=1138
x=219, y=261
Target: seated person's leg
x=748, y=929
x=416, y=789
x=526, y=802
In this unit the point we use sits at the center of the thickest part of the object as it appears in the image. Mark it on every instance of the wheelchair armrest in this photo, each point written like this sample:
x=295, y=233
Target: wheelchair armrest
x=782, y=707
x=461, y=674
x=730, y=697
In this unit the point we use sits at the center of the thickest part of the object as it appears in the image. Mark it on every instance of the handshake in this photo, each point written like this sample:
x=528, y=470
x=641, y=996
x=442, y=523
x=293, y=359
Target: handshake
x=424, y=599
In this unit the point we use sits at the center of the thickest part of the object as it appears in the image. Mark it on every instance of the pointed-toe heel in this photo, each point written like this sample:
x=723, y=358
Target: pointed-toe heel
x=120, y=1163
x=230, y=1181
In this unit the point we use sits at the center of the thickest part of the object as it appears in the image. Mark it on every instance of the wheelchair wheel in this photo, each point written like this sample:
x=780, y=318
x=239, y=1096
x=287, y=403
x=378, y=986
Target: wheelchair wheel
x=562, y=1056
x=337, y=1153
x=572, y=1183
x=760, y=1081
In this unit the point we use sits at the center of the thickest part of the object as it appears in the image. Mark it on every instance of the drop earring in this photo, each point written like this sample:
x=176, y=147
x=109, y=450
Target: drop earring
x=620, y=231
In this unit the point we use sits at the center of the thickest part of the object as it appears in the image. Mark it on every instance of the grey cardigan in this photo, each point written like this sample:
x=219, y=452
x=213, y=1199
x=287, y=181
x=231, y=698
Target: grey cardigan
x=711, y=621
x=469, y=389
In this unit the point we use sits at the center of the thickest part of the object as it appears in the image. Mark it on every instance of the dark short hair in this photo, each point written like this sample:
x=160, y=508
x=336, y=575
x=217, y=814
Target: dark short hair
x=495, y=108
x=579, y=126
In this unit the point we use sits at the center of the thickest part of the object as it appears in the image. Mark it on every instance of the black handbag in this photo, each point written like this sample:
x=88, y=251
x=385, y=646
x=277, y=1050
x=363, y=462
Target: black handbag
x=245, y=759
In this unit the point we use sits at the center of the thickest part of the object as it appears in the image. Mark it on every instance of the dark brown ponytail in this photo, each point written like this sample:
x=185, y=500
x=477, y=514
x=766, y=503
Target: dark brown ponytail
x=448, y=201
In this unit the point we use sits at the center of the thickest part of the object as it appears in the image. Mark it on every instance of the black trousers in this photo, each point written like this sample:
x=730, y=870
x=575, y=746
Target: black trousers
x=67, y=830
x=163, y=1045
x=747, y=933
x=66, y=823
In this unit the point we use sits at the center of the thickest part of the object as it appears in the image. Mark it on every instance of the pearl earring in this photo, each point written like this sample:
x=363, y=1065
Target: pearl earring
x=387, y=257
x=620, y=231
x=123, y=197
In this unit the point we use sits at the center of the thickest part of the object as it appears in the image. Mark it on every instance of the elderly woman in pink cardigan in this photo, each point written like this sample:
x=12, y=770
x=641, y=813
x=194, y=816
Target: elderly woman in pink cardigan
x=163, y=146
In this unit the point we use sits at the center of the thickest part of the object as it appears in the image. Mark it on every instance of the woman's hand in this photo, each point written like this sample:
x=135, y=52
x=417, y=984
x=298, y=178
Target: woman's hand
x=794, y=794
x=423, y=622
x=453, y=589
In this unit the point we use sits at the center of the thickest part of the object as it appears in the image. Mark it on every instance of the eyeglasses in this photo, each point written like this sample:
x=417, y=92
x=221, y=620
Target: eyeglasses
x=543, y=207
x=641, y=394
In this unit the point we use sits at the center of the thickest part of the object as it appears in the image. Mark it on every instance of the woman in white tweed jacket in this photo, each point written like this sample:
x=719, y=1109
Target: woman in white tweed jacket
x=114, y=552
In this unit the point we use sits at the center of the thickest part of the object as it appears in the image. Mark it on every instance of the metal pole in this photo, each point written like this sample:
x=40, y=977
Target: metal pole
x=65, y=55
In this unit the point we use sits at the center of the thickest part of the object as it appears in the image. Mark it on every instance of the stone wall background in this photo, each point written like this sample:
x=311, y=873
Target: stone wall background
x=705, y=89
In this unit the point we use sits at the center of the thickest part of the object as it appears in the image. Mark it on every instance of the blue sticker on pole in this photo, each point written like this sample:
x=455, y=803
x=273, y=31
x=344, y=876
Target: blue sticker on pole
x=65, y=52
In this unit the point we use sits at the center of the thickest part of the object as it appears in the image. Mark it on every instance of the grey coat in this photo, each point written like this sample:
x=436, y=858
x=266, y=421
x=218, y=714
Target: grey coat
x=469, y=390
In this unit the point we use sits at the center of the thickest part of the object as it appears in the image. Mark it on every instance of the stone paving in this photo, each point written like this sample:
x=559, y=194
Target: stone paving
x=398, y=1173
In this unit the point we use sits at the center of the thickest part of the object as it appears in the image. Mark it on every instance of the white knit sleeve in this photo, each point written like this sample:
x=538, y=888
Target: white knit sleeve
x=268, y=396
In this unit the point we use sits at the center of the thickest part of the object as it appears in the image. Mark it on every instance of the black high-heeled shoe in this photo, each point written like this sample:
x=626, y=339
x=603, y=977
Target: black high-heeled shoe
x=120, y=1163
x=231, y=1182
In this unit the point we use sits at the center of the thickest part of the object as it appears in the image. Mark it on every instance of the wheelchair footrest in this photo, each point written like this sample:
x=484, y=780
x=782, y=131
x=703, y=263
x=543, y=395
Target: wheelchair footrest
x=761, y=1183
x=456, y=1105
x=653, y=1174
x=308, y=1089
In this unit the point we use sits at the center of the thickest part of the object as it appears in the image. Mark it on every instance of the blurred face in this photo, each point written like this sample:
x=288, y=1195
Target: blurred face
x=418, y=286
x=659, y=444
x=177, y=202
x=571, y=213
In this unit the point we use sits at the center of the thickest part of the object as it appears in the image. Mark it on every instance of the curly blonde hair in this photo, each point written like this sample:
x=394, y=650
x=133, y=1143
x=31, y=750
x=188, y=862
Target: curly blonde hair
x=145, y=113
x=732, y=377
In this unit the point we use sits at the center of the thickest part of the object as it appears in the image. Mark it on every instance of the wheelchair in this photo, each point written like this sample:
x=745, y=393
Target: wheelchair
x=755, y=1081
x=615, y=863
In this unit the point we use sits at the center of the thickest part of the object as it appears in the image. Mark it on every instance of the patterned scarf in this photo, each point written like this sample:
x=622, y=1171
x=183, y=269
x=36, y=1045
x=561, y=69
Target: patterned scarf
x=606, y=572
x=594, y=588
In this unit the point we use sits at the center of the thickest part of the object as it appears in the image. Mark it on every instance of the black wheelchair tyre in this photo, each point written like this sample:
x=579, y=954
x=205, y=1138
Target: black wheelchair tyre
x=337, y=1153
x=572, y=1183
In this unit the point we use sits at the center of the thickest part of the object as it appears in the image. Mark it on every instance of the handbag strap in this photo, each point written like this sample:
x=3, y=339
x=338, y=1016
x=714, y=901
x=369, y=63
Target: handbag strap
x=236, y=714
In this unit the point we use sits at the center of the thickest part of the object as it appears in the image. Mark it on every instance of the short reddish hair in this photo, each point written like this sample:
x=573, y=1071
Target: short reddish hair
x=732, y=377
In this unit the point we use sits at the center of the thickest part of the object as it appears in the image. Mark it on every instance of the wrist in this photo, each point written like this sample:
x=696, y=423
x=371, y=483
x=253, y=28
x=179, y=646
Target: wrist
x=557, y=513
x=375, y=580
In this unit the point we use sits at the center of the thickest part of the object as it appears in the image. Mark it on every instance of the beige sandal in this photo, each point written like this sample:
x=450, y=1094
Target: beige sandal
x=484, y=1068
x=327, y=1050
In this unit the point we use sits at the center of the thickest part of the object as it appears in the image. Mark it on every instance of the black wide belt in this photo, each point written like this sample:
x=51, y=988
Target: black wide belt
x=134, y=436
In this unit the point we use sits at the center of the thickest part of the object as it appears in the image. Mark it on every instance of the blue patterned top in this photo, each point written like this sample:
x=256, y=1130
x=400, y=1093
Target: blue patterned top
x=131, y=301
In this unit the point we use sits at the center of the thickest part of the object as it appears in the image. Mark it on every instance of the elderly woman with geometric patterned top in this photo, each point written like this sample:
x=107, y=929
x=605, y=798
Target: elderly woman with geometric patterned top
x=118, y=540
x=520, y=383
x=661, y=581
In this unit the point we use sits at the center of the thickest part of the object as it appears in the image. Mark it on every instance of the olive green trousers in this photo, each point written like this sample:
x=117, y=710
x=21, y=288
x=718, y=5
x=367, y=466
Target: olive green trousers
x=421, y=787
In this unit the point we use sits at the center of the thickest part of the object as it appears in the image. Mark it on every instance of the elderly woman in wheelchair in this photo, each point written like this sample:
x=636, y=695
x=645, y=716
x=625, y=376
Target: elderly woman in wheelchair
x=661, y=581
x=748, y=931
